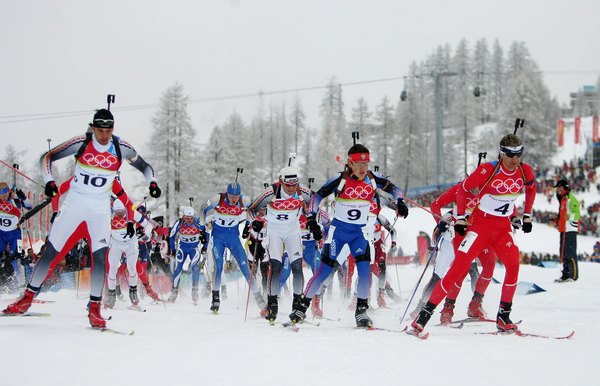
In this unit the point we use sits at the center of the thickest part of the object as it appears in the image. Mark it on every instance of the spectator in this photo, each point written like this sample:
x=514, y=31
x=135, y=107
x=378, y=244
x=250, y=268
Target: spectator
x=568, y=226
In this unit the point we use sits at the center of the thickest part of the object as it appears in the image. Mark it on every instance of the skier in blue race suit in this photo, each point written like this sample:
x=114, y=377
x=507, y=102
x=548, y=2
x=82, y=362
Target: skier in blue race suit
x=189, y=233
x=10, y=234
x=226, y=211
x=354, y=189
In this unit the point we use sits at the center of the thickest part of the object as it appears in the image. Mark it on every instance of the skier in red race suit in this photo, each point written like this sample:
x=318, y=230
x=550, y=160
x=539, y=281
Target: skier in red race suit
x=499, y=183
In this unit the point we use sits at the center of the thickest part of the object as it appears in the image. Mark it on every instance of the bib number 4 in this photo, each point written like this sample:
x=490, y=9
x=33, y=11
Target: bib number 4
x=503, y=209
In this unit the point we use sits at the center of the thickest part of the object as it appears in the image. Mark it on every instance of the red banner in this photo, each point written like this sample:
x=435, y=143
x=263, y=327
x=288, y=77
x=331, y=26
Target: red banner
x=561, y=132
x=577, y=128
x=595, y=129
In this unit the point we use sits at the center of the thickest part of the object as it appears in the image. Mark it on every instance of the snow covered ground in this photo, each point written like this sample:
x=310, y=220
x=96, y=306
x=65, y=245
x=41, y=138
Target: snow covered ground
x=183, y=344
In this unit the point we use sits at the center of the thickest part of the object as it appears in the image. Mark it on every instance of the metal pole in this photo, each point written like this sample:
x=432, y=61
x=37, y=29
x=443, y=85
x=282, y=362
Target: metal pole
x=439, y=138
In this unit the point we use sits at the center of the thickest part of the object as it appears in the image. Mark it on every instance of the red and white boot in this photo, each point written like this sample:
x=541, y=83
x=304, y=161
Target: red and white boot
x=22, y=304
x=315, y=307
x=96, y=320
x=447, y=312
x=381, y=299
x=151, y=292
x=475, y=309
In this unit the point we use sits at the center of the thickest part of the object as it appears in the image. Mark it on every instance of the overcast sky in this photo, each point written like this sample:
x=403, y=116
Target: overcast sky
x=66, y=55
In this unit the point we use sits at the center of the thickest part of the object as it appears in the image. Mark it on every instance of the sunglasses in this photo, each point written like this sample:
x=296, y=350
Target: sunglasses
x=510, y=153
x=104, y=123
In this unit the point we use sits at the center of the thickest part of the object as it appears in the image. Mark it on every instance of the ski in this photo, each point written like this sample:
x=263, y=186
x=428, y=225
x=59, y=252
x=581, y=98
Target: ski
x=112, y=331
x=289, y=325
x=41, y=314
x=526, y=334
x=416, y=334
x=136, y=308
x=474, y=320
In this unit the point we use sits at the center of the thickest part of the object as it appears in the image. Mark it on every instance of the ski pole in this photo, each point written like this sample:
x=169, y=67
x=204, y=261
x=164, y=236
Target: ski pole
x=433, y=253
x=20, y=173
x=250, y=281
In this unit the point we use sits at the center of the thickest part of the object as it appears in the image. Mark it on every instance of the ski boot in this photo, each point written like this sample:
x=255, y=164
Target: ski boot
x=119, y=293
x=205, y=293
x=151, y=292
x=503, y=322
x=475, y=309
x=224, y=291
x=195, y=295
x=447, y=312
x=390, y=291
x=173, y=296
x=316, y=307
x=260, y=300
x=299, y=311
x=272, y=308
x=216, y=302
x=22, y=304
x=381, y=298
x=111, y=299
x=421, y=320
x=96, y=320
x=133, y=296
x=362, y=319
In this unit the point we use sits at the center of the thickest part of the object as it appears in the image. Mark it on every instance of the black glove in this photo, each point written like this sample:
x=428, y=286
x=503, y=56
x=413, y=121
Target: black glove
x=20, y=195
x=402, y=210
x=313, y=226
x=461, y=226
x=202, y=236
x=53, y=217
x=246, y=231
x=130, y=230
x=257, y=225
x=442, y=226
x=51, y=190
x=527, y=224
x=139, y=231
x=154, y=190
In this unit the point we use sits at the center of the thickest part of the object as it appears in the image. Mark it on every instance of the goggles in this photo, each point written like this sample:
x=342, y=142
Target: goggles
x=511, y=152
x=4, y=190
x=104, y=123
x=290, y=180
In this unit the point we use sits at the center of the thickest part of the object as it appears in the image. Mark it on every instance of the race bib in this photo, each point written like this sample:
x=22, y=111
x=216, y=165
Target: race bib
x=502, y=206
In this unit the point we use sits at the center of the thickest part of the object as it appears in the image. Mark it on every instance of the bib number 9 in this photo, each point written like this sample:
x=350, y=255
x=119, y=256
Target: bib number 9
x=353, y=214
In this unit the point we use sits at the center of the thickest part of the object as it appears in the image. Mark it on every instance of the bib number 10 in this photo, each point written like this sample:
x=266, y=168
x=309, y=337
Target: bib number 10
x=94, y=181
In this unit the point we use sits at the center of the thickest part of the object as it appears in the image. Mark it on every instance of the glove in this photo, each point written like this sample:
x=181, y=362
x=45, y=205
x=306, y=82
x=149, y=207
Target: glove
x=202, y=236
x=402, y=209
x=20, y=195
x=51, y=190
x=246, y=231
x=257, y=225
x=203, y=250
x=442, y=226
x=154, y=190
x=393, y=249
x=140, y=232
x=515, y=222
x=313, y=226
x=461, y=225
x=53, y=217
x=527, y=224
x=130, y=230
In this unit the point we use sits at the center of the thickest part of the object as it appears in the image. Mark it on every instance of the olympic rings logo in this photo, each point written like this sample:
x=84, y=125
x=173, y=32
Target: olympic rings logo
x=508, y=186
x=119, y=223
x=472, y=202
x=359, y=192
x=5, y=207
x=232, y=210
x=289, y=204
x=188, y=231
x=100, y=160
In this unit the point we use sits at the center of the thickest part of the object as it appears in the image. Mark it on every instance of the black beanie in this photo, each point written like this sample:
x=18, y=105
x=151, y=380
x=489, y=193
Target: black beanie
x=104, y=119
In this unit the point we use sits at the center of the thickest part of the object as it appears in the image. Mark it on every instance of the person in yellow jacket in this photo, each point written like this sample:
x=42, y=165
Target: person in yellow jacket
x=568, y=226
